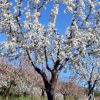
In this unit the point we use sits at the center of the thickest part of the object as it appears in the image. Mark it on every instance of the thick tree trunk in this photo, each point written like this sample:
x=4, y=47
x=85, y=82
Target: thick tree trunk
x=90, y=95
x=50, y=86
x=51, y=95
x=90, y=90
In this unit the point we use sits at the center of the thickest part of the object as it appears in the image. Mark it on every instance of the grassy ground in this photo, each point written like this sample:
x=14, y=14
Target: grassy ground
x=24, y=98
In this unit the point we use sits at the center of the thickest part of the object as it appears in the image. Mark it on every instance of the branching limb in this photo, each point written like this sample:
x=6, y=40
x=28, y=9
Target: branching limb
x=36, y=68
x=57, y=63
x=46, y=59
x=63, y=64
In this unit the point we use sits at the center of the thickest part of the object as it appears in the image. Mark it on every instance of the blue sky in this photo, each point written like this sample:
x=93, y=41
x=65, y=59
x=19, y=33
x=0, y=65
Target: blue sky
x=63, y=20
x=2, y=37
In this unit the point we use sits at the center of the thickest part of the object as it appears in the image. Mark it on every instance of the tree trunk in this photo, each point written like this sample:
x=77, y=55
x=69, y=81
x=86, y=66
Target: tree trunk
x=90, y=95
x=50, y=88
x=90, y=90
x=42, y=93
x=7, y=91
x=6, y=97
x=50, y=85
x=64, y=96
x=50, y=94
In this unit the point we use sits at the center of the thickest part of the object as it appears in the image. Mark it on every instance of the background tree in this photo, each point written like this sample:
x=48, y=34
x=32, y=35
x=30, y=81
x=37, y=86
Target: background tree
x=16, y=80
x=32, y=78
x=70, y=90
x=88, y=72
x=8, y=77
x=47, y=50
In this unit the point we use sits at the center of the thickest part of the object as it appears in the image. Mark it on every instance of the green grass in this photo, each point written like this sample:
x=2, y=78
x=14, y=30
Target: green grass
x=0, y=98
x=97, y=93
x=24, y=98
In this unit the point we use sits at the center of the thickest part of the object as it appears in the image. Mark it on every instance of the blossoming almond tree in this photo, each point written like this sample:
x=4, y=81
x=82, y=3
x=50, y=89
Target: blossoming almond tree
x=16, y=81
x=31, y=78
x=71, y=89
x=47, y=50
x=88, y=72
x=8, y=78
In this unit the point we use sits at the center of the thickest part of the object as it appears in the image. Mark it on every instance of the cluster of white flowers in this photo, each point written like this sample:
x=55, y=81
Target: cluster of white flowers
x=36, y=1
x=53, y=16
x=36, y=21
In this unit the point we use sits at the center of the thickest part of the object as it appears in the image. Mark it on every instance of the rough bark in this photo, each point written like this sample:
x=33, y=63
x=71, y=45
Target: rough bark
x=50, y=86
x=50, y=94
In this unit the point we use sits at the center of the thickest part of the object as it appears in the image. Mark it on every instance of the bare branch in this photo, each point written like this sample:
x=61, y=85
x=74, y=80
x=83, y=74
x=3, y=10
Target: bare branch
x=36, y=68
x=46, y=59
x=57, y=63
x=63, y=64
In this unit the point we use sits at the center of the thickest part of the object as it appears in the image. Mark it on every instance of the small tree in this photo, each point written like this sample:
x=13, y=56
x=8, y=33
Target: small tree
x=70, y=89
x=31, y=77
x=7, y=78
x=88, y=72
x=10, y=77
x=46, y=49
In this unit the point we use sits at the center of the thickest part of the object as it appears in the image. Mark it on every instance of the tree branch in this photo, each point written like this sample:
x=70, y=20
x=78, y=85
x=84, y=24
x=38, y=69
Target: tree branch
x=43, y=3
x=38, y=7
x=36, y=68
x=91, y=73
x=57, y=63
x=46, y=59
x=63, y=64
x=95, y=82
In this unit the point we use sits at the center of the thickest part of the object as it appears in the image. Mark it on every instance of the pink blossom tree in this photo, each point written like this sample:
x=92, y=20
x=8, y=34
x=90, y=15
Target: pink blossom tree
x=70, y=88
x=8, y=77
